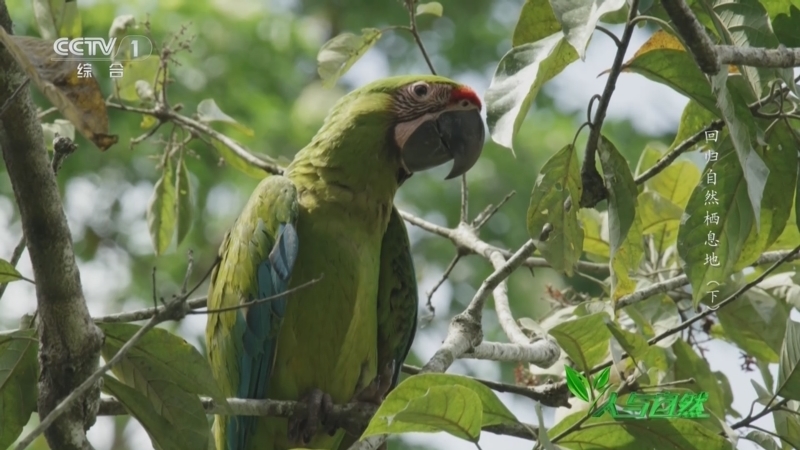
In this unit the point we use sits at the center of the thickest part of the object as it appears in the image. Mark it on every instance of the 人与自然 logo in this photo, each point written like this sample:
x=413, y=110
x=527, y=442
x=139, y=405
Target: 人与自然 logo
x=656, y=405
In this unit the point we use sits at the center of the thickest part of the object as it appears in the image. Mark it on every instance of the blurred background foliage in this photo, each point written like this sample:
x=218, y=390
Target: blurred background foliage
x=257, y=60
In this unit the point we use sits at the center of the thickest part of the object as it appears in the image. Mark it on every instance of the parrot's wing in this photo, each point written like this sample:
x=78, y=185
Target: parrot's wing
x=257, y=258
x=397, y=297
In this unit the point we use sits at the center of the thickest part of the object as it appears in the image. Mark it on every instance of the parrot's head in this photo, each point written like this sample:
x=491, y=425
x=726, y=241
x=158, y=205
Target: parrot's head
x=427, y=120
x=436, y=120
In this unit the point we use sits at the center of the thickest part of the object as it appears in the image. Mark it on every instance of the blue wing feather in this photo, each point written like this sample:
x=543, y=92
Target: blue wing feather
x=258, y=325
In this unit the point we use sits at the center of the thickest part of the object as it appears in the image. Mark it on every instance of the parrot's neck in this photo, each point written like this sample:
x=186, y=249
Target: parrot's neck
x=351, y=164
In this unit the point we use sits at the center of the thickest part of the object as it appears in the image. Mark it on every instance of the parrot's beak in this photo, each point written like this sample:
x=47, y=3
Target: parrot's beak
x=456, y=135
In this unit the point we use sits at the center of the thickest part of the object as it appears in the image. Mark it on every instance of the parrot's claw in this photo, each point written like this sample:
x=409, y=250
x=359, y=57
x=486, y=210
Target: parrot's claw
x=304, y=426
x=376, y=391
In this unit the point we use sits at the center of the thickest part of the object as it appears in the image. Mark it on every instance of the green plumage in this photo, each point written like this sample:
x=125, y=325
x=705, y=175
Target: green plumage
x=332, y=212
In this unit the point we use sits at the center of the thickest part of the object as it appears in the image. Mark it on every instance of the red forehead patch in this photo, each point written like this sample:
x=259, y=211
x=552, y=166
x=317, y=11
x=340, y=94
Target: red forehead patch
x=465, y=93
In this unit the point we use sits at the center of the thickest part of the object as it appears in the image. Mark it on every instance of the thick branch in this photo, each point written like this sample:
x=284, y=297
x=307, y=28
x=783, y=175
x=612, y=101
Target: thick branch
x=710, y=57
x=69, y=340
x=694, y=35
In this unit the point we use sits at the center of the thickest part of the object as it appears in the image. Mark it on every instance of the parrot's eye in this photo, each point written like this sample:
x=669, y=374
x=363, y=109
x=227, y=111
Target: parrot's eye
x=420, y=90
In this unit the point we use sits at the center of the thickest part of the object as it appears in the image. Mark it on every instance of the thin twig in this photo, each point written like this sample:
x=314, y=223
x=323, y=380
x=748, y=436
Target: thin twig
x=442, y=279
x=490, y=211
x=667, y=159
x=464, y=199
x=412, y=20
x=608, y=33
x=261, y=300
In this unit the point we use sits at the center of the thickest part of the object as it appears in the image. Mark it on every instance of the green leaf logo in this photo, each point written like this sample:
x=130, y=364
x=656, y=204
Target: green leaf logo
x=601, y=381
x=577, y=384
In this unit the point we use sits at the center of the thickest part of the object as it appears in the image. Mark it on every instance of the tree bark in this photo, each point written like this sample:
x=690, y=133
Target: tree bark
x=69, y=340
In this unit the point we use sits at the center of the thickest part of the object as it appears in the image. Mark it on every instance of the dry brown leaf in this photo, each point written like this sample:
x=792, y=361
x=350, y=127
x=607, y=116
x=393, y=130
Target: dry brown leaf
x=78, y=99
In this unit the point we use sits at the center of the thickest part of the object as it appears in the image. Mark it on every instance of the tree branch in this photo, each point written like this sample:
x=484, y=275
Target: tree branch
x=593, y=187
x=710, y=57
x=69, y=341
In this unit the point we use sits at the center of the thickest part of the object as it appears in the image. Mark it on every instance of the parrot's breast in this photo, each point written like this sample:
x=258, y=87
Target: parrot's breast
x=328, y=339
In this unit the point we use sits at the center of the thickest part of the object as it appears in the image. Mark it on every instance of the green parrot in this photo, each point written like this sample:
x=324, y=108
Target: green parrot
x=331, y=218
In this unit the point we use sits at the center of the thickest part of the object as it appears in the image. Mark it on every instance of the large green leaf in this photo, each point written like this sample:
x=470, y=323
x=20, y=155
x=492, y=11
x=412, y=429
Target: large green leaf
x=745, y=23
x=658, y=214
x=554, y=201
x=664, y=60
x=429, y=403
x=57, y=18
x=519, y=76
x=786, y=25
x=579, y=18
x=626, y=249
x=591, y=221
x=666, y=434
x=776, y=206
x=743, y=131
x=161, y=210
x=339, y=54
x=655, y=316
x=789, y=368
x=756, y=322
x=763, y=439
x=694, y=119
x=787, y=425
x=536, y=21
x=729, y=220
x=585, y=340
x=173, y=419
x=636, y=346
x=688, y=364
x=492, y=411
x=676, y=182
x=160, y=356
x=18, y=375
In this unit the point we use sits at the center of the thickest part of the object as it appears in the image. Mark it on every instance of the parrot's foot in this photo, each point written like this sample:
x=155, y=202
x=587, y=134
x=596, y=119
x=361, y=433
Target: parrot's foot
x=304, y=426
x=376, y=391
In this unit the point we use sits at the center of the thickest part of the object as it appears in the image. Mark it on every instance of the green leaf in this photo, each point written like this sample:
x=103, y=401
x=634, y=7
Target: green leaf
x=161, y=210
x=730, y=221
x=183, y=206
x=159, y=356
x=756, y=322
x=763, y=439
x=557, y=186
x=544, y=439
x=625, y=251
x=57, y=18
x=664, y=60
x=340, y=53
x=776, y=206
x=493, y=410
x=742, y=129
x=593, y=243
x=601, y=380
x=745, y=23
x=786, y=25
x=688, y=364
x=655, y=316
x=142, y=71
x=762, y=395
x=675, y=183
x=693, y=120
x=18, y=375
x=578, y=19
x=519, y=76
x=577, y=383
x=787, y=425
x=173, y=419
x=665, y=434
x=455, y=409
x=208, y=111
x=536, y=21
x=658, y=214
x=234, y=160
x=585, y=340
x=789, y=367
x=432, y=8
x=8, y=273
